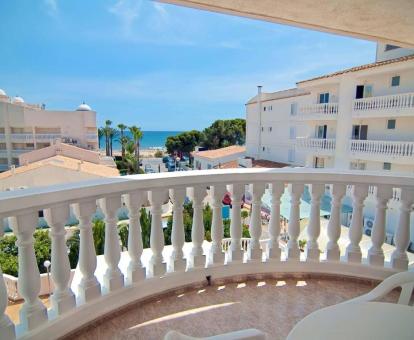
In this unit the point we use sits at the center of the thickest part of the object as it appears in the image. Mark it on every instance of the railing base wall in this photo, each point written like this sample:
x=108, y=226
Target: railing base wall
x=94, y=310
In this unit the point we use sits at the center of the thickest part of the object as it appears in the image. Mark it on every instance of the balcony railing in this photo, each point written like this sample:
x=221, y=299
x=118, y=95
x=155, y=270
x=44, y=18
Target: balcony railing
x=384, y=148
x=2, y=137
x=22, y=137
x=383, y=103
x=189, y=263
x=318, y=111
x=91, y=136
x=316, y=144
x=47, y=136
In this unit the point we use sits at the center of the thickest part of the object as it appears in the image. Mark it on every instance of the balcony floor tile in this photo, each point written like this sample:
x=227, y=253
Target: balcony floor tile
x=271, y=305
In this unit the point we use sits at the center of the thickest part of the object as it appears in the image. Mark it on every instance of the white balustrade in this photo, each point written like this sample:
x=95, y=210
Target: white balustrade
x=295, y=191
x=273, y=249
x=312, y=110
x=353, y=251
x=63, y=299
x=399, y=257
x=22, y=206
x=316, y=143
x=217, y=256
x=235, y=252
x=314, y=226
x=390, y=102
x=197, y=258
x=334, y=224
x=134, y=202
x=113, y=278
x=6, y=325
x=254, y=252
x=383, y=148
x=89, y=288
x=375, y=253
x=177, y=261
x=33, y=312
x=157, y=265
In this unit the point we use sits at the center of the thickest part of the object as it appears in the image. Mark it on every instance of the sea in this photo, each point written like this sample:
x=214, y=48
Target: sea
x=150, y=140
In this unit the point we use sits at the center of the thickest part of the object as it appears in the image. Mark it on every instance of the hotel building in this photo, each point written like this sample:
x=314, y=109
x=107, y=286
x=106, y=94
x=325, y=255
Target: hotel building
x=26, y=127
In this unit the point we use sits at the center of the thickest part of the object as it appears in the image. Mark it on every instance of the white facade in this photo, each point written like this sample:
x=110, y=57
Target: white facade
x=210, y=159
x=361, y=118
x=25, y=127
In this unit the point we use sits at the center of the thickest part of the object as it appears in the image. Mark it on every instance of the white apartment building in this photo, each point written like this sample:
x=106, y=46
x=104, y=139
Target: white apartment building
x=359, y=118
x=26, y=127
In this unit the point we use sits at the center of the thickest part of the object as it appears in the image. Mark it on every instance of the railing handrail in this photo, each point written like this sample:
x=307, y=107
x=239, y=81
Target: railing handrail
x=369, y=141
x=37, y=198
x=383, y=96
x=319, y=108
x=391, y=101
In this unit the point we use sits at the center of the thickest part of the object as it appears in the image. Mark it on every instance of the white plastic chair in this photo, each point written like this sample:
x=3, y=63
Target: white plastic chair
x=405, y=280
x=245, y=334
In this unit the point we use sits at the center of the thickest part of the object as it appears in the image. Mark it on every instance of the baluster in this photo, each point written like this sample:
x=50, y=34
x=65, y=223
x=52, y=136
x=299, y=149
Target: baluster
x=134, y=202
x=399, y=259
x=113, y=278
x=7, y=330
x=314, y=225
x=334, y=224
x=63, y=298
x=353, y=251
x=33, y=312
x=157, y=266
x=217, y=193
x=197, y=257
x=273, y=249
x=254, y=253
x=375, y=253
x=89, y=287
x=235, y=252
x=177, y=261
x=295, y=190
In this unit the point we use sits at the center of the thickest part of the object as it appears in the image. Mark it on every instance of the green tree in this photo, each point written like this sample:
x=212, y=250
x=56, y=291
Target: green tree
x=137, y=135
x=184, y=143
x=224, y=133
x=101, y=133
x=122, y=139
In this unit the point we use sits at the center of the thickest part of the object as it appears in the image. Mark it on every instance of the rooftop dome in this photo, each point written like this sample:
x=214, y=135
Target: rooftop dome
x=2, y=93
x=18, y=100
x=84, y=107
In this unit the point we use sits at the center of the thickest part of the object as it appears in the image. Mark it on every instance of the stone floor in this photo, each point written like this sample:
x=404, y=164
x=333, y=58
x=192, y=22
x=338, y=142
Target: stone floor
x=271, y=305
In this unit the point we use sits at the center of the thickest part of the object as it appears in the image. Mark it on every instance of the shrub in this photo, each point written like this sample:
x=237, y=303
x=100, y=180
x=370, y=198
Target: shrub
x=123, y=230
x=158, y=154
x=73, y=245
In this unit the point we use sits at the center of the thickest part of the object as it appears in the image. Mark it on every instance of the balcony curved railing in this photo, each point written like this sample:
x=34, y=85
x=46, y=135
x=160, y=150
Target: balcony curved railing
x=395, y=101
x=313, y=111
x=386, y=148
x=131, y=280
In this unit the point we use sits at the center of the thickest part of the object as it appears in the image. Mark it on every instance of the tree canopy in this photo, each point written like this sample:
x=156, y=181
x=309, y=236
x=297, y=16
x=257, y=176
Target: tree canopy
x=220, y=134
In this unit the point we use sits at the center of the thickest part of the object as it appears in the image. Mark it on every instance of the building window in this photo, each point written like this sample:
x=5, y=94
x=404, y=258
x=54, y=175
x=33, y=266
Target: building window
x=292, y=132
x=319, y=162
x=389, y=47
x=357, y=166
x=263, y=149
x=262, y=128
x=271, y=108
x=324, y=98
x=293, y=109
x=386, y=166
x=270, y=129
x=209, y=166
x=391, y=124
x=264, y=108
x=395, y=81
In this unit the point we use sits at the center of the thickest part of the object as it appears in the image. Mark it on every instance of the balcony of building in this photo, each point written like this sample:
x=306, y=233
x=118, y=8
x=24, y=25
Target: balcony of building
x=319, y=146
x=327, y=111
x=215, y=285
x=21, y=137
x=2, y=137
x=383, y=151
x=395, y=105
x=92, y=137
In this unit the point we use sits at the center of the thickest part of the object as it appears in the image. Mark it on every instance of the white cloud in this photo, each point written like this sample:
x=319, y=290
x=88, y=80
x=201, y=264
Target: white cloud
x=127, y=11
x=51, y=7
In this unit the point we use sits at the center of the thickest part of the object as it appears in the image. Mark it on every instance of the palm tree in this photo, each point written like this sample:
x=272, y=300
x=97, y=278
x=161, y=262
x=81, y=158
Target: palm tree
x=101, y=133
x=112, y=134
x=124, y=140
x=137, y=135
x=107, y=130
x=122, y=128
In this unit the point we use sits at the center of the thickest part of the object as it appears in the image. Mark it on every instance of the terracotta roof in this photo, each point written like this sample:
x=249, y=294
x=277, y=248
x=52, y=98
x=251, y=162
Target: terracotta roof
x=362, y=67
x=66, y=163
x=218, y=153
x=266, y=96
x=260, y=163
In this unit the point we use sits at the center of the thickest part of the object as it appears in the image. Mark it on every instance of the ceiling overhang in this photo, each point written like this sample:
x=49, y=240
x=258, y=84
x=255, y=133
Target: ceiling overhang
x=387, y=21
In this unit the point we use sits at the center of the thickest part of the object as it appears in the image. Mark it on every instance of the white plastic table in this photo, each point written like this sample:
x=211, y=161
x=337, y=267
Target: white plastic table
x=358, y=320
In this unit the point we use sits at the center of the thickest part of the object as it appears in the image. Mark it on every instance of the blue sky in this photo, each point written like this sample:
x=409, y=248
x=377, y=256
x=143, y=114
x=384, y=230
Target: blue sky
x=158, y=66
